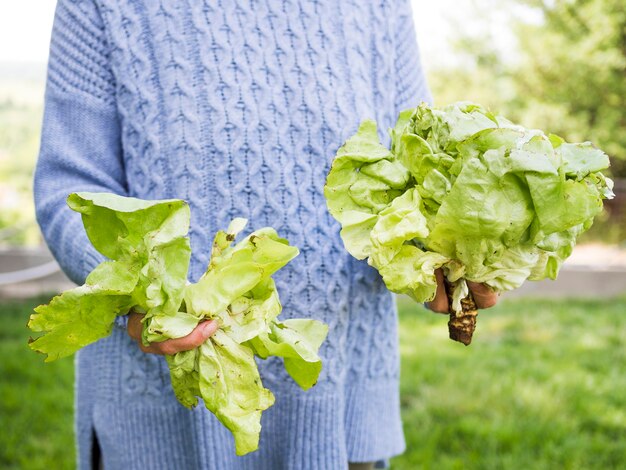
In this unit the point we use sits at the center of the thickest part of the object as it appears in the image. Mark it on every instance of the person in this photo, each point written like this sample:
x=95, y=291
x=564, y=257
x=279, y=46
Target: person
x=237, y=107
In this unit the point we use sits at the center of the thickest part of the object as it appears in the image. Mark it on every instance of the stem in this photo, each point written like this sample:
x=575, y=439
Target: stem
x=462, y=324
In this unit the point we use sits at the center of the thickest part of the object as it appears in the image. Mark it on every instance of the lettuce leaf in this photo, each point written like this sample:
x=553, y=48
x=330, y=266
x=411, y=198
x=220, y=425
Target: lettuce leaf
x=297, y=341
x=364, y=179
x=145, y=241
x=149, y=256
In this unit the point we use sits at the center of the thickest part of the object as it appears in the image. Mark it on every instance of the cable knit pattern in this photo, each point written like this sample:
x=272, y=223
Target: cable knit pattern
x=237, y=107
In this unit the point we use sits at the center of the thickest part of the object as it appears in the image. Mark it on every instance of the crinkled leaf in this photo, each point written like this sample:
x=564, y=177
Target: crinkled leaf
x=297, y=341
x=185, y=376
x=75, y=319
x=412, y=272
x=363, y=180
x=85, y=314
x=402, y=220
x=250, y=315
x=120, y=226
x=146, y=241
x=231, y=388
x=149, y=235
x=581, y=159
x=237, y=270
x=163, y=327
x=355, y=232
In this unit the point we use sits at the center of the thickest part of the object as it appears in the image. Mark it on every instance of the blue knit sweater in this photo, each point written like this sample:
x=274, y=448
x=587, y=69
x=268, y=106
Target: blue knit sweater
x=237, y=107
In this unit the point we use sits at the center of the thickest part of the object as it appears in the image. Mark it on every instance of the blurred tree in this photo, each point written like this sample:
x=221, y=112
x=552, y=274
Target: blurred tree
x=481, y=77
x=572, y=73
x=20, y=123
x=567, y=76
x=480, y=69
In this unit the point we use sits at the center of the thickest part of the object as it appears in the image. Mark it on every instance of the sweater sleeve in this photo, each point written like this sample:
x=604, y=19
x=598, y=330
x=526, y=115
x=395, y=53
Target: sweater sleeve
x=80, y=141
x=411, y=85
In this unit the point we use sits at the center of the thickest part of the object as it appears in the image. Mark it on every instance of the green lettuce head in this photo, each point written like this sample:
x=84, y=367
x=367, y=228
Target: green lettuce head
x=467, y=191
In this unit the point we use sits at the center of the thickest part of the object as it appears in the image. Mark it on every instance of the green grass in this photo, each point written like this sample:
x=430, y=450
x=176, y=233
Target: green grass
x=543, y=386
x=36, y=399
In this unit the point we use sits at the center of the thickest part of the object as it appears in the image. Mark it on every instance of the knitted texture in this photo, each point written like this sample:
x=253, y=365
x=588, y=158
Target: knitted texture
x=237, y=107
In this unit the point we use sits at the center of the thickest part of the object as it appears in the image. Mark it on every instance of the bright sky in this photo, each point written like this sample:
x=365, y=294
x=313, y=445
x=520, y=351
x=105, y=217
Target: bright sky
x=25, y=27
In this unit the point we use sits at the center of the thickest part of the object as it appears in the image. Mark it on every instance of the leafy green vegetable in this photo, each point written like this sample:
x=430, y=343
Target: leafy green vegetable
x=149, y=253
x=149, y=257
x=464, y=190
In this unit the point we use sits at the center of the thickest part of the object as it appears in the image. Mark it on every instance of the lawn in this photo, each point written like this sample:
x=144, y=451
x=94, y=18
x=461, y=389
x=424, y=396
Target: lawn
x=36, y=399
x=543, y=386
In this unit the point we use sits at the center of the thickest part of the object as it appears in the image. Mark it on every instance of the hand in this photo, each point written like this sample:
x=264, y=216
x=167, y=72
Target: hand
x=171, y=346
x=482, y=293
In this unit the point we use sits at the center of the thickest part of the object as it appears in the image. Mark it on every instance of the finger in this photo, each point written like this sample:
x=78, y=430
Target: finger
x=194, y=339
x=440, y=303
x=134, y=326
x=483, y=295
